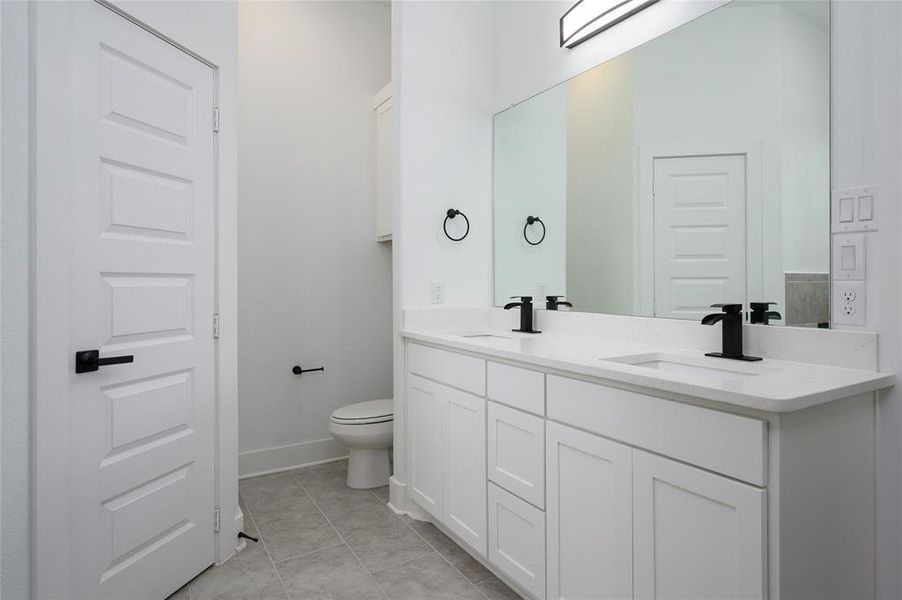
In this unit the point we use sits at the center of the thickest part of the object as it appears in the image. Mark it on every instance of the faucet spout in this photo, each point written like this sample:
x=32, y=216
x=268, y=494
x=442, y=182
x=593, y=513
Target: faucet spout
x=712, y=319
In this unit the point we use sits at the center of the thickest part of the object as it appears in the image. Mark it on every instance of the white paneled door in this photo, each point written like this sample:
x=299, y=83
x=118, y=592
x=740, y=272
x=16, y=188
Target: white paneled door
x=699, y=233
x=141, y=284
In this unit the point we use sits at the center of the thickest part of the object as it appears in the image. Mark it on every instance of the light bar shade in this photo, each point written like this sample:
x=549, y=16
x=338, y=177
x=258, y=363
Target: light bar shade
x=590, y=17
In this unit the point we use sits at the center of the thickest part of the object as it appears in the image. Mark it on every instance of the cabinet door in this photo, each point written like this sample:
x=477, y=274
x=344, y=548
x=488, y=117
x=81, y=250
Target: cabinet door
x=464, y=484
x=697, y=535
x=516, y=452
x=589, y=519
x=517, y=540
x=426, y=407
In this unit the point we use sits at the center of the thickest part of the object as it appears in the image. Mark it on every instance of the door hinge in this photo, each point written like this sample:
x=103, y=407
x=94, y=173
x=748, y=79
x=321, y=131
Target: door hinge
x=215, y=326
x=217, y=518
x=216, y=119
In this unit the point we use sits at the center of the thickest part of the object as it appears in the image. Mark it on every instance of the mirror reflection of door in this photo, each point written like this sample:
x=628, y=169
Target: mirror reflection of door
x=699, y=234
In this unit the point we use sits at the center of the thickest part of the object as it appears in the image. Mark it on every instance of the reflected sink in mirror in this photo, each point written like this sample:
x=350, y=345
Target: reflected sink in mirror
x=706, y=368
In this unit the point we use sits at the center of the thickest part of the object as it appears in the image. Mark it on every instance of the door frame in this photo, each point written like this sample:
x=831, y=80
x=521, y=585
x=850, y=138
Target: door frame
x=644, y=216
x=50, y=358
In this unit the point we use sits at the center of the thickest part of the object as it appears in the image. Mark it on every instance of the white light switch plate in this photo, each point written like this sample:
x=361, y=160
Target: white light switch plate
x=854, y=209
x=849, y=303
x=849, y=257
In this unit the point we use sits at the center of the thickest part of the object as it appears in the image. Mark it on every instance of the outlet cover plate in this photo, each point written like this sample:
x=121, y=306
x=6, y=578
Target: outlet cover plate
x=849, y=303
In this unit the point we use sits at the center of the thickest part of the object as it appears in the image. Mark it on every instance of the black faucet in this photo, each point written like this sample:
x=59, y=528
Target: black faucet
x=552, y=302
x=525, y=305
x=732, y=331
x=762, y=314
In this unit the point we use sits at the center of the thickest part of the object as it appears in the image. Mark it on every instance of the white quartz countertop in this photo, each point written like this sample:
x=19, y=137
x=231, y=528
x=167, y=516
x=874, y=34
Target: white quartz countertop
x=769, y=385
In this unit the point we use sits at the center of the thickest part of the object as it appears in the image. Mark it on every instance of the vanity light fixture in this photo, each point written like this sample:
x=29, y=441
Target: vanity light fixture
x=587, y=18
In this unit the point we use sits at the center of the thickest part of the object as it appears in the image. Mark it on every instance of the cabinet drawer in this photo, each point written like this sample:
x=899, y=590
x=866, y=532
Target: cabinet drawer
x=458, y=370
x=517, y=540
x=517, y=452
x=730, y=444
x=520, y=388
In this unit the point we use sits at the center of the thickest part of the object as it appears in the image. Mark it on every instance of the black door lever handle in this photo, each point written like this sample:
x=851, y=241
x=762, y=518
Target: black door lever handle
x=88, y=361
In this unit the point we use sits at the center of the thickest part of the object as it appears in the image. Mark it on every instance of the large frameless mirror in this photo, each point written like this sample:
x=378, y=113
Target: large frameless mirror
x=689, y=171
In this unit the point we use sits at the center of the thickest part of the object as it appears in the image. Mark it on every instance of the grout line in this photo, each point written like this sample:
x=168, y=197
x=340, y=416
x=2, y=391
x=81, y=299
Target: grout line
x=307, y=553
x=443, y=557
x=341, y=537
x=266, y=549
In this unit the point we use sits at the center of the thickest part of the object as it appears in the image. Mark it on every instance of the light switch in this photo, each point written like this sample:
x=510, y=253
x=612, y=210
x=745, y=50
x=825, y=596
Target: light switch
x=846, y=210
x=854, y=209
x=865, y=208
x=849, y=257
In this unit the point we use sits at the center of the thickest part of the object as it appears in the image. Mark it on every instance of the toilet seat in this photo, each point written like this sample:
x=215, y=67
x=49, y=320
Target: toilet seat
x=365, y=413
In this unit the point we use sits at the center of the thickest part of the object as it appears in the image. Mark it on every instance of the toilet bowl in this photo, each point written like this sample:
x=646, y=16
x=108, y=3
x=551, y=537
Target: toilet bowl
x=366, y=429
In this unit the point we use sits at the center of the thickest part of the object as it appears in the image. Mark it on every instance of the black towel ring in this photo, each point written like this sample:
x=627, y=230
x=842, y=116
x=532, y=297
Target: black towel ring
x=453, y=212
x=530, y=221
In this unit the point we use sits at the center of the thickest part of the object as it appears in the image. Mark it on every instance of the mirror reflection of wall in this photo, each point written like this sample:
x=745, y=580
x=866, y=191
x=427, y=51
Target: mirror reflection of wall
x=689, y=171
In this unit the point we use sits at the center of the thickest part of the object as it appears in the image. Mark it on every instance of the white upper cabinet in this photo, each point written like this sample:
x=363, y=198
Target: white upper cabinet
x=382, y=106
x=696, y=534
x=589, y=524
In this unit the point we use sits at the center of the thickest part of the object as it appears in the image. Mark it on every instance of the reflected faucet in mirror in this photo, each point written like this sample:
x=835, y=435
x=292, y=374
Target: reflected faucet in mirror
x=761, y=313
x=553, y=302
x=731, y=346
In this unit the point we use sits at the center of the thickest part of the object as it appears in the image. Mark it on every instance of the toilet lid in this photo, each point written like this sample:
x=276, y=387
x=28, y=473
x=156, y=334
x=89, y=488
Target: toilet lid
x=373, y=410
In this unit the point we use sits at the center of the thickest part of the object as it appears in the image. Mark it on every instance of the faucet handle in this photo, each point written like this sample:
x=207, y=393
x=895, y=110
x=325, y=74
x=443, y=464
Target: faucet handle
x=729, y=308
x=524, y=299
x=761, y=306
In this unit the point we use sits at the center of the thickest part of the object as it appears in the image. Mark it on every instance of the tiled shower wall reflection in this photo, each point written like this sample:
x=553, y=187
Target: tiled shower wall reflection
x=807, y=298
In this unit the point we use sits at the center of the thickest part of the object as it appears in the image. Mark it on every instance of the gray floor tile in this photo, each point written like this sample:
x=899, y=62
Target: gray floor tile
x=456, y=555
x=248, y=575
x=330, y=574
x=381, y=493
x=428, y=578
x=327, y=485
x=180, y=594
x=495, y=589
x=379, y=537
x=288, y=521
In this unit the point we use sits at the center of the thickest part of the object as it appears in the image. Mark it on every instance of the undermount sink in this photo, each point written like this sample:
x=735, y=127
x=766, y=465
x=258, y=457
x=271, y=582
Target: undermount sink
x=700, y=367
x=485, y=335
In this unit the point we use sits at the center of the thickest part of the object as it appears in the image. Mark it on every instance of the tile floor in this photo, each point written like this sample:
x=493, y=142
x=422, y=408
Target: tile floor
x=320, y=540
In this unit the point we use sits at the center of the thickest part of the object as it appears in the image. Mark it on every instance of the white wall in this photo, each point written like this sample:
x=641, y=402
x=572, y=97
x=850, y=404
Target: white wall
x=15, y=346
x=315, y=286
x=444, y=82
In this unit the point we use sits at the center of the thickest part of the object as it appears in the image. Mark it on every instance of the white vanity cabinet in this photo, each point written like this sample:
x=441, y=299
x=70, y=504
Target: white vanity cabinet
x=573, y=487
x=589, y=522
x=696, y=534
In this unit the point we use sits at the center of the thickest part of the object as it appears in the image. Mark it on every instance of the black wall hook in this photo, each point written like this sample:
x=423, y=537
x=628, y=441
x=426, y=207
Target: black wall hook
x=453, y=212
x=530, y=221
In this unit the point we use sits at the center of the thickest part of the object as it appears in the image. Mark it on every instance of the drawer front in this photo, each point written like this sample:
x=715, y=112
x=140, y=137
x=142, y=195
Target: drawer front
x=725, y=443
x=520, y=388
x=517, y=540
x=517, y=452
x=457, y=370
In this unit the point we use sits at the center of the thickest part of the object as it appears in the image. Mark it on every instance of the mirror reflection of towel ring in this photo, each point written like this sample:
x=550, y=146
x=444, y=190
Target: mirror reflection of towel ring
x=453, y=212
x=530, y=221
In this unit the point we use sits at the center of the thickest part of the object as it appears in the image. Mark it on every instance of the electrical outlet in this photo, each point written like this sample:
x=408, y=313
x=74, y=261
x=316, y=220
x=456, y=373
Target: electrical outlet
x=438, y=292
x=849, y=303
x=541, y=290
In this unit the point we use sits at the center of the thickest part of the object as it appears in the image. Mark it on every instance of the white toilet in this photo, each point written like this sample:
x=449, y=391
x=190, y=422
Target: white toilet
x=366, y=429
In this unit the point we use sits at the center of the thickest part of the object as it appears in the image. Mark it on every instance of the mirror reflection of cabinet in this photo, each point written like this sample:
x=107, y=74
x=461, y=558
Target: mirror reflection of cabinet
x=382, y=105
x=691, y=170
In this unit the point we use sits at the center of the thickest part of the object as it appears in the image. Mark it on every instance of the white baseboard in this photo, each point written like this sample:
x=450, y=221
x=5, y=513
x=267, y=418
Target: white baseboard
x=283, y=458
